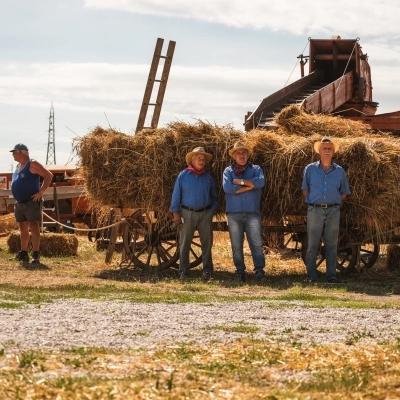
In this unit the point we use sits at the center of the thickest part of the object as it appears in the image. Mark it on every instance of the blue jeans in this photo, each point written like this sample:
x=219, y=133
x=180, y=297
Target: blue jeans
x=202, y=221
x=322, y=223
x=238, y=224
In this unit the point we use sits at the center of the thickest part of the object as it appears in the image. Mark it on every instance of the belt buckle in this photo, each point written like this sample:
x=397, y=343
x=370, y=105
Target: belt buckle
x=324, y=205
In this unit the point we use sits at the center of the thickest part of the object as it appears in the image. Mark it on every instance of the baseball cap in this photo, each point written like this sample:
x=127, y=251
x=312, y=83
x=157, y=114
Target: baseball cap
x=19, y=146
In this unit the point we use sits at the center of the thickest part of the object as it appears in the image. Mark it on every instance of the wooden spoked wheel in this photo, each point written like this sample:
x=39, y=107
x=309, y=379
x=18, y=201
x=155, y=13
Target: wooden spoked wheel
x=153, y=244
x=347, y=252
x=369, y=253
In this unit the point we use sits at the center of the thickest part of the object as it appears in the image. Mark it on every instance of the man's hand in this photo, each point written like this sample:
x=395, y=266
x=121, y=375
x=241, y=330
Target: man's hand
x=177, y=218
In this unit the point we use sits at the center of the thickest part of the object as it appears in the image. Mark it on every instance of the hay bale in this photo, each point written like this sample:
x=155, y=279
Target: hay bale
x=139, y=171
x=51, y=244
x=393, y=257
x=293, y=121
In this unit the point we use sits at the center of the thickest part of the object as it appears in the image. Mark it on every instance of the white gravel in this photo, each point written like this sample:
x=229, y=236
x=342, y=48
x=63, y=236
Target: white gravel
x=67, y=324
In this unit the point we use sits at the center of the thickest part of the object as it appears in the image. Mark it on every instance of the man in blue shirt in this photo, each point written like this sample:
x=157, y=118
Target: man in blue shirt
x=194, y=201
x=242, y=184
x=324, y=188
x=28, y=192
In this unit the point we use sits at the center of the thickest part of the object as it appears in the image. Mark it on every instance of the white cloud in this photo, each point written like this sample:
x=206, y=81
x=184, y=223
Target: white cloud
x=191, y=92
x=346, y=18
x=218, y=94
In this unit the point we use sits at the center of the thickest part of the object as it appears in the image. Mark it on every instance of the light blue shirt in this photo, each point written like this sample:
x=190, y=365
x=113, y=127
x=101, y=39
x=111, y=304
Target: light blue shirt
x=248, y=202
x=194, y=191
x=324, y=187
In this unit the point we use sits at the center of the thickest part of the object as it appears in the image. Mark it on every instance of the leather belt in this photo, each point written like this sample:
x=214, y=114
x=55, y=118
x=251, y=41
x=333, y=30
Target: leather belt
x=196, y=209
x=24, y=201
x=324, y=205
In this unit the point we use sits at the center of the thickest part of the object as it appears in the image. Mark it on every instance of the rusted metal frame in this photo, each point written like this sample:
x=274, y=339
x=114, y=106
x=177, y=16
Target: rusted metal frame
x=335, y=60
x=150, y=84
x=114, y=234
x=163, y=84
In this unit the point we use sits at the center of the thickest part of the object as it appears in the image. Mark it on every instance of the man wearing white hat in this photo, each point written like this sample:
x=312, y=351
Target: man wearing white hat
x=194, y=201
x=243, y=182
x=324, y=188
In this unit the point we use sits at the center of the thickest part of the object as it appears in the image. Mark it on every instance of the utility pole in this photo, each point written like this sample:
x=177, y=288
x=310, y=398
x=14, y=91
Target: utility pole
x=51, y=145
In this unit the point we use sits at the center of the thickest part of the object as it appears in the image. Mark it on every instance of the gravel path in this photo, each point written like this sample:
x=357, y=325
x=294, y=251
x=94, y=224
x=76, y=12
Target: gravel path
x=66, y=324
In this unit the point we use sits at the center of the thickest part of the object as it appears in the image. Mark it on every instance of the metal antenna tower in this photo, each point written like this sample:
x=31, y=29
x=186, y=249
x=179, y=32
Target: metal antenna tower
x=51, y=145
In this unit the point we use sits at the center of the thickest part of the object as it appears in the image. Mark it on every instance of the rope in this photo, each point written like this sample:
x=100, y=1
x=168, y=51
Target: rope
x=344, y=72
x=296, y=63
x=85, y=230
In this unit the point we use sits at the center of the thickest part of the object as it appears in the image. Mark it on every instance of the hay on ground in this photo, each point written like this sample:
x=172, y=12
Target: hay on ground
x=51, y=244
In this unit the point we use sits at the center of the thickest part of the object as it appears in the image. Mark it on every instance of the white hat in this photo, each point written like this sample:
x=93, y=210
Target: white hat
x=325, y=139
x=198, y=150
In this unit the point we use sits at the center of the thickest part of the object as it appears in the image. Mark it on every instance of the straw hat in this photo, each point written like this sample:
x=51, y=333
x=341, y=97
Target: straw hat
x=198, y=150
x=325, y=139
x=239, y=146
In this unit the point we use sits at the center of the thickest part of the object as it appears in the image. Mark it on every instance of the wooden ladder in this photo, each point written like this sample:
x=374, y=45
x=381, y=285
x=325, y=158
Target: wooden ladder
x=150, y=83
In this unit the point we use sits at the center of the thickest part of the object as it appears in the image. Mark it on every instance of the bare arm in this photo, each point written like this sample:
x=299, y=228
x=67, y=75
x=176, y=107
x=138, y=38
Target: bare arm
x=47, y=176
x=305, y=193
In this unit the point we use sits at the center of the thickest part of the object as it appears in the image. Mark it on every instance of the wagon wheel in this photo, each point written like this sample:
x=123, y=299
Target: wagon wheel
x=154, y=244
x=369, y=253
x=347, y=252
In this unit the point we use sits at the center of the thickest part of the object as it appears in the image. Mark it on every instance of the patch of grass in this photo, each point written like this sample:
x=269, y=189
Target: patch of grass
x=32, y=359
x=235, y=328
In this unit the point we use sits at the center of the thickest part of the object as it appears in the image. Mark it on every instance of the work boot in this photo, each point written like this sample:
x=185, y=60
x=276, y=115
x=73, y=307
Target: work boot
x=183, y=275
x=35, y=257
x=206, y=276
x=22, y=256
x=240, y=277
x=261, y=279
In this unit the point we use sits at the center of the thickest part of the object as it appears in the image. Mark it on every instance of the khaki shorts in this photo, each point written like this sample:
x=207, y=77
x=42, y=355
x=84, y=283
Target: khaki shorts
x=29, y=211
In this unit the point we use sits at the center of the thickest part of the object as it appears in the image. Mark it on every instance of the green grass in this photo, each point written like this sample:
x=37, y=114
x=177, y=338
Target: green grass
x=12, y=296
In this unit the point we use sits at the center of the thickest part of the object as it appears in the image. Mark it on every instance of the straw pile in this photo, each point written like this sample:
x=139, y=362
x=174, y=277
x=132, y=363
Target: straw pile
x=51, y=244
x=139, y=171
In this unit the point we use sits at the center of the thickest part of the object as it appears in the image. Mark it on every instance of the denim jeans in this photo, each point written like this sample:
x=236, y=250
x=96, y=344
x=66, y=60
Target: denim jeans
x=249, y=223
x=322, y=223
x=202, y=221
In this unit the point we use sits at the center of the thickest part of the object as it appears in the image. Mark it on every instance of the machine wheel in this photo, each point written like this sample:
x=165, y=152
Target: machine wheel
x=153, y=244
x=368, y=255
x=347, y=252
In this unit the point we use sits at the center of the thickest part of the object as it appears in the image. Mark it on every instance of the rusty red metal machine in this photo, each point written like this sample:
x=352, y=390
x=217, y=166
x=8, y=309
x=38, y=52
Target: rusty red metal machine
x=338, y=82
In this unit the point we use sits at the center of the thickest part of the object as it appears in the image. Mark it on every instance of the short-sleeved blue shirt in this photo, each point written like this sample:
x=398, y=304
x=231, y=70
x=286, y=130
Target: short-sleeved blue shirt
x=324, y=187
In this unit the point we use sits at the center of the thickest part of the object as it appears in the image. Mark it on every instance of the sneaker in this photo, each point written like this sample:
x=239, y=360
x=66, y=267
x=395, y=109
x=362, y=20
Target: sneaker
x=22, y=256
x=35, y=257
x=311, y=281
x=206, y=276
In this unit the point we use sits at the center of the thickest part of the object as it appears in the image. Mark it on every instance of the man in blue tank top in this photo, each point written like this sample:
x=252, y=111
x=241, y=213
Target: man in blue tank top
x=28, y=192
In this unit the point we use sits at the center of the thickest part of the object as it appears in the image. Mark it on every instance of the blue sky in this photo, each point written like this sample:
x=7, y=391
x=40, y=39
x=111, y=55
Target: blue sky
x=91, y=59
